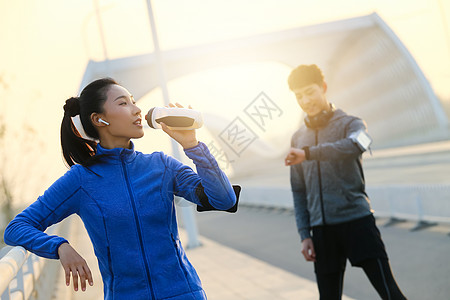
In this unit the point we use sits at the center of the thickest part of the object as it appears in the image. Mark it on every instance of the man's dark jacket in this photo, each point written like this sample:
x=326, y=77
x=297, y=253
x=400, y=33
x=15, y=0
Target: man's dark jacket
x=329, y=187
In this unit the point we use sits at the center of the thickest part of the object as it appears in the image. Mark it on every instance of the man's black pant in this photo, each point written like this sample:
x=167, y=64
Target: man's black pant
x=360, y=242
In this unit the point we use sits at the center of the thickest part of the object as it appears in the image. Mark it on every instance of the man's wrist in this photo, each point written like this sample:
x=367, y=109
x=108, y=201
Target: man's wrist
x=306, y=149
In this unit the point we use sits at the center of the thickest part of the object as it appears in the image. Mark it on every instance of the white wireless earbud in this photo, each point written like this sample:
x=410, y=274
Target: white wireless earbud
x=103, y=121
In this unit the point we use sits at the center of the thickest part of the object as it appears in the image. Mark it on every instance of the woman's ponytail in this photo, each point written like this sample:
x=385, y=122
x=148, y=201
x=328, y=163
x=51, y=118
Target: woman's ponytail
x=76, y=148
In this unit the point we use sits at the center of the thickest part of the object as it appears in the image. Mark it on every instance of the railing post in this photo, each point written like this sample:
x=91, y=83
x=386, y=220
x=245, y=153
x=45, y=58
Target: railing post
x=421, y=223
x=10, y=264
x=392, y=219
x=30, y=265
x=20, y=283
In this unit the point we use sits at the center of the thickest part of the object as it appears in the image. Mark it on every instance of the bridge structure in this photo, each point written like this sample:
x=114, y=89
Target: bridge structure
x=369, y=72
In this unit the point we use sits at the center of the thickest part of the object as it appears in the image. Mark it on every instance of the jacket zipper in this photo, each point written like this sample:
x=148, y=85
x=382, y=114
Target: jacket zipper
x=133, y=204
x=179, y=259
x=110, y=269
x=320, y=182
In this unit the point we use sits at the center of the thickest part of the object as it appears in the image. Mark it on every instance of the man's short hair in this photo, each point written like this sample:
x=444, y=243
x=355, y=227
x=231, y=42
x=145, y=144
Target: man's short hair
x=305, y=75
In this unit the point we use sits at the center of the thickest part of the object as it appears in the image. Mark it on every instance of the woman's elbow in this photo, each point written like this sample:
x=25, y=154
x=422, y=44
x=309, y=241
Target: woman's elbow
x=231, y=201
x=226, y=202
x=8, y=235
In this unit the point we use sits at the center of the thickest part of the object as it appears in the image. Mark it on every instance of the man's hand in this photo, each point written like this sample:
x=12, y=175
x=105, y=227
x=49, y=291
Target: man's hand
x=308, y=250
x=294, y=156
x=73, y=262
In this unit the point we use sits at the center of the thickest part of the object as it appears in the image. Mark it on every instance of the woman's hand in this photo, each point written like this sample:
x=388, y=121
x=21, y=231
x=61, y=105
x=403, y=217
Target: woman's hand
x=73, y=262
x=186, y=138
x=295, y=156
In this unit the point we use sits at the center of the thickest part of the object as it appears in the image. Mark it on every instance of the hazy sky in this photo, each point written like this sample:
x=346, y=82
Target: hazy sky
x=46, y=44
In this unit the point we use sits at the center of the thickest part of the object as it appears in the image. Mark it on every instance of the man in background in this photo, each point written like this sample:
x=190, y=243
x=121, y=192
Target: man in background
x=332, y=210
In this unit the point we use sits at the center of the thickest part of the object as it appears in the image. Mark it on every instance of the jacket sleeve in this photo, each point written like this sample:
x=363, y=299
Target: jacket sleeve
x=209, y=180
x=300, y=201
x=27, y=228
x=342, y=149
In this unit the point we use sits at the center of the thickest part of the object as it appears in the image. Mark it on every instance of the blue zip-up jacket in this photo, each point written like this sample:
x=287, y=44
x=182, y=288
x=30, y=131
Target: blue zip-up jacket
x=126, y=202
x=329, y=186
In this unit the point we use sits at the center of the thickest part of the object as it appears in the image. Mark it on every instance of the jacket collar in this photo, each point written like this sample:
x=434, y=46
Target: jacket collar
x=338, y=113
x=116, y=154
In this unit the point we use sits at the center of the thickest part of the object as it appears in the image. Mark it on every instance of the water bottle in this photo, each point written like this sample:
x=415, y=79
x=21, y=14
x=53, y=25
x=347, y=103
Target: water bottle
x=175, y=118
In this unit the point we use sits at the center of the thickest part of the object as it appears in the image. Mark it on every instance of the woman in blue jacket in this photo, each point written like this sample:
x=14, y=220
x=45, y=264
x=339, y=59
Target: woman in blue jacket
x=125, y=199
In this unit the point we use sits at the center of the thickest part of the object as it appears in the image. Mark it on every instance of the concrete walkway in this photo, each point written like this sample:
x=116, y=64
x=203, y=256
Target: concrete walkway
x=226, y=274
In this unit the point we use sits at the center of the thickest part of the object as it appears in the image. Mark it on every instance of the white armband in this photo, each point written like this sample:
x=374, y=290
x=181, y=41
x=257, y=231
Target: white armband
x=361, y=139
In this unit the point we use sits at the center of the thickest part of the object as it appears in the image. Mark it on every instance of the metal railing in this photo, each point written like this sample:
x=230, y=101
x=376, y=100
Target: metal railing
x=17, y=272
x=24, y=275
x=425, y=204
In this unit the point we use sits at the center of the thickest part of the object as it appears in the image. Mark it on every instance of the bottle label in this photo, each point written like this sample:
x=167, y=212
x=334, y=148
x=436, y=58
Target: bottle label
x=176, y=121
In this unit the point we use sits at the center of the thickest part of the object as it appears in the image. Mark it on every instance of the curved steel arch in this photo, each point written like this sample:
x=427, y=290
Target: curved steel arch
x=369, y=72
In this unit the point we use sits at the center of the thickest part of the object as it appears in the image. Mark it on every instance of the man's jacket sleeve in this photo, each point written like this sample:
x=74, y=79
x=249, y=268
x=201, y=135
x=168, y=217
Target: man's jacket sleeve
x=342, y=149
x=300, y=202
x=209, y=179
x=27, y=228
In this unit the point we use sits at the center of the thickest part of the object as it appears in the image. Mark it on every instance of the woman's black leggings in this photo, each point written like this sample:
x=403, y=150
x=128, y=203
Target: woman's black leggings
x=377, y=270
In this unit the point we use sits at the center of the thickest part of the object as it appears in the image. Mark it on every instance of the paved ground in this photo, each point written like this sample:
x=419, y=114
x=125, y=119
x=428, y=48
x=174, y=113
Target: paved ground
x=226, y=274
x=419, y=259
x=254, y=254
